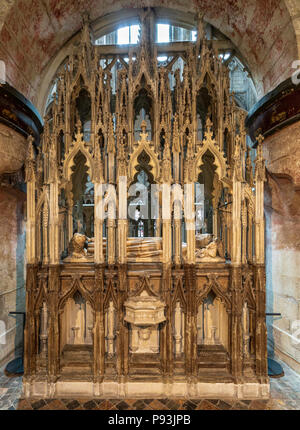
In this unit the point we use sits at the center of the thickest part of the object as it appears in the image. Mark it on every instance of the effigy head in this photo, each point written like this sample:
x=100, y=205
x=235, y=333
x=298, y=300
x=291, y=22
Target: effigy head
x=77, y=245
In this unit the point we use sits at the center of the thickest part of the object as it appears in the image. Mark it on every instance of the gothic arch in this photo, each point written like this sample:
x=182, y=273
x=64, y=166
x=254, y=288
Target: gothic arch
x=154, y=163
x=219, y=161
x=69, y=160
x=212, y=285
x=76, y=286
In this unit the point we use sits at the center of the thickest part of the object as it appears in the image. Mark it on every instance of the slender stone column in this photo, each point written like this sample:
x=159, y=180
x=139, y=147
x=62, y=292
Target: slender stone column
x=189, y=199
x=122, y=328
x=99, y=329
x=236, y=333
x=54, y=224
x=166, y=221
x=178, y=328
x=177, y=240
x=53, y=323
x=30, y=337
x=31, y=204
x=236, y=223
x=261, y=363
x=111, y=246
x=244, y=233
x=98, y=224
x=191, y=322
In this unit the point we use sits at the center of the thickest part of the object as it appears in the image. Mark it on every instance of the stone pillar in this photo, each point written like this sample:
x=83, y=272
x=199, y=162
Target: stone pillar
x=53, y=323
x=99, y=328
x=122, y=327
x=244, y=233
x=236, y=333
x=236, y=223
x=177, y=241
x=191, y=322
x=122, y=220
x=189, y=199
x=98, y=224
x=178, y=335
x=54, y=224
x=166, y=224
x=44, y=330
x=30, y=336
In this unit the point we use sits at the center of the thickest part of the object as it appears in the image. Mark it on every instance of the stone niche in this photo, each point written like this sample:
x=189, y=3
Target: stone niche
x=144, y=313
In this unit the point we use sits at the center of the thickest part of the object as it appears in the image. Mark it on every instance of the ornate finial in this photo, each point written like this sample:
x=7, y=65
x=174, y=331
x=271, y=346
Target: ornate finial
x=98, y=166
x=176, y=141
x=260, y=169
x=237, y=163
x=30, y=161
x=260, y=138
x=249, y=170
x=200, y=26
x=189, y=152
x=30, y=152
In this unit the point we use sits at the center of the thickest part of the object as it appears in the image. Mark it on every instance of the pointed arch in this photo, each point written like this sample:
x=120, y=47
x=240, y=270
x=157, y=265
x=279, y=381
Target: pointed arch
x=110, y=296
x=213, y=285
x=77, y=285
x=200, y=81
x=220, y=161
x=44, y=197
x=69, y=160
x=154, y=162
x=248, y=293
x=144, y=285
x=178, y=294
x=41, y=296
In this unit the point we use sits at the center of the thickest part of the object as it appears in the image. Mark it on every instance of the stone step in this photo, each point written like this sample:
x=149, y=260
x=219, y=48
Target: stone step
x=76, y=370
x=213, y=357
x=77, y=353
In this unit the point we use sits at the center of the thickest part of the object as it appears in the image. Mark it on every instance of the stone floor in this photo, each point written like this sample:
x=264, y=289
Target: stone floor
x=285, y=394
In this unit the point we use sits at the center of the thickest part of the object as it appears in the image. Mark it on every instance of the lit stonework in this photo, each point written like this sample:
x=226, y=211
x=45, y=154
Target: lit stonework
x=155, y=303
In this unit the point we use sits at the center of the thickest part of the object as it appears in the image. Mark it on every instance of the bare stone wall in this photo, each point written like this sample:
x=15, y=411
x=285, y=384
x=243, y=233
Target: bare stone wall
x=282, y=210
x=33, y=32
x=12, y=270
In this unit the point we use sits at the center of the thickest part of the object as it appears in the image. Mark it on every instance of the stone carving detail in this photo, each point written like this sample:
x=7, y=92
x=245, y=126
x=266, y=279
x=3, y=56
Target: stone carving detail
x=106, y=322
x=77, y=248
x=212, y=252
x=144, y=313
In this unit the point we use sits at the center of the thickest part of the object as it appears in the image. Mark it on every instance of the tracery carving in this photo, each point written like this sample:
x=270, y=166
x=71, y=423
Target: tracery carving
x=178, y=289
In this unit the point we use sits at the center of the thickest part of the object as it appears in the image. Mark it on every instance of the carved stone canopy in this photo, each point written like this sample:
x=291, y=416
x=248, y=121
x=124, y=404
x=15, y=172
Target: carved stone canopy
x=144, y=310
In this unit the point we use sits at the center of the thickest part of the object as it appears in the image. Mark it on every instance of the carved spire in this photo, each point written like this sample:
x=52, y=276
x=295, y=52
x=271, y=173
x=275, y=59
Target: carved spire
x=98, y=166
x=249, y=170
x=111, y=139
x=30, y=161
x=237, y=163
x=260, y=169
x=176, y=139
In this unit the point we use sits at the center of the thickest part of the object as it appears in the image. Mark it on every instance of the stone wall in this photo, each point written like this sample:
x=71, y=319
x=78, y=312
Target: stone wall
x=282, y=209
x=12, y=270
x=33, y=32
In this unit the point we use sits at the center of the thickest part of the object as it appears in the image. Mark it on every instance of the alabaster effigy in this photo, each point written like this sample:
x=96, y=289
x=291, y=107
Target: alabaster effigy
x=145, y=229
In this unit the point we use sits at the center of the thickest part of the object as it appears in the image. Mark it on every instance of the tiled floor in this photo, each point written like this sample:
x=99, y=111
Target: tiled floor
x=285, y=394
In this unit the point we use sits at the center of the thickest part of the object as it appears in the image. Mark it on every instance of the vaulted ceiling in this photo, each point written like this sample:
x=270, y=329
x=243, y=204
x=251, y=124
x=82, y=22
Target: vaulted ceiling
x=267, y=33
